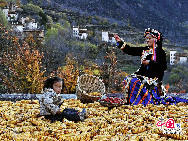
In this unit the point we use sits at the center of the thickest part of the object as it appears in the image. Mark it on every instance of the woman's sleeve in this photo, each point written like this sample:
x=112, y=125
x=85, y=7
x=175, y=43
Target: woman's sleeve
x=134, y=51
x=49, y=104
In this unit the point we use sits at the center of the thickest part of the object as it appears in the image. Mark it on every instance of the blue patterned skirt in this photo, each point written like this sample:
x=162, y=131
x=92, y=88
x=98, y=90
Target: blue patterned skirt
x=142, y=90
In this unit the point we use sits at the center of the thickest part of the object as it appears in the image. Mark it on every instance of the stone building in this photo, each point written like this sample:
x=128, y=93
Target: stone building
x=108, y=37
x=177, y=58
x=80, y=33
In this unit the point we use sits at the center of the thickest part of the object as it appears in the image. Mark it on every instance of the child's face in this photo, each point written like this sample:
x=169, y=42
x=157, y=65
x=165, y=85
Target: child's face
x=57, y=86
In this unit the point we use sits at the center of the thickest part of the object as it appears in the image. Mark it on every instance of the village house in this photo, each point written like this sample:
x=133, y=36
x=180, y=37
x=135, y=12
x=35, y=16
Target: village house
x=108, y=37
x=39, y=34
x=30, y=24
x=22, y=26
x=10, y=12
x=17, y=26
x=12, y=16
x=5, y=11
x=177, y=58
x=79, y=33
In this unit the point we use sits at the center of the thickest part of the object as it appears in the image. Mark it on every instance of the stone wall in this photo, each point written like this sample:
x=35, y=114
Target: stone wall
x=17, y=97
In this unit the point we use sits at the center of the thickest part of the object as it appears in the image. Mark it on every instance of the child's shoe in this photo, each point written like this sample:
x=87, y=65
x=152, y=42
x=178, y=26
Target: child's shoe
x=83, y=114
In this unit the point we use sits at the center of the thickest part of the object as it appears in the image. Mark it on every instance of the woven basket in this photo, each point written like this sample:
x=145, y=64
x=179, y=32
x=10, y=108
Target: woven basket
x=87, y=84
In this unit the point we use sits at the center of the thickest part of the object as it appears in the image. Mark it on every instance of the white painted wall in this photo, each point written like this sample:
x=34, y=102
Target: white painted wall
x=23, y=20
x=76, y=32
x=84, y=36
x=183, y=60
x=172, y=57
x=5, y=11
x=112, y=40
x=19, y=28
x=105, y=37
x=31, y=25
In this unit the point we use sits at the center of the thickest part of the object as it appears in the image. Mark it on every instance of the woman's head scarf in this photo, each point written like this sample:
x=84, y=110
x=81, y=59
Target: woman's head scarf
x=154, y=33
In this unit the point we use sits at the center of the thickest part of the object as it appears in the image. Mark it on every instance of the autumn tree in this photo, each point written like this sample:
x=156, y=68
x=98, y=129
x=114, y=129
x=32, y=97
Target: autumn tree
x=69, y=73
x=24, y=73
x=112, y=76
x=21, y=66
x=71, y=70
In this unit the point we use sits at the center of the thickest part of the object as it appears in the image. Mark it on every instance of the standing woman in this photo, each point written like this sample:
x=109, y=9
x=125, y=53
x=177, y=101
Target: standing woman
x=145, y=85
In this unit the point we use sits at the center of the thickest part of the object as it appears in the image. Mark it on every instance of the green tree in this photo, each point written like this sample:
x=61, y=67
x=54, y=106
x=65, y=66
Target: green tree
x=32, y=9
x=50, y=20
x=104, y=22
x=174, y=78
x=59, y=42
x=176, y=71
x=12, y=1
x=178, y=79
x=56, y=46
x=3, y=19
x=66, y=24
x=89, y=19
x=83, y=20
x=44, y=18
x=53, y=31
x=64, y=16
x=114, y=25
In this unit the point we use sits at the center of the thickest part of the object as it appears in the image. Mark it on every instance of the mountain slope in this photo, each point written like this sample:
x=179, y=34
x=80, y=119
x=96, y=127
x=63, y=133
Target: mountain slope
x=168, y=16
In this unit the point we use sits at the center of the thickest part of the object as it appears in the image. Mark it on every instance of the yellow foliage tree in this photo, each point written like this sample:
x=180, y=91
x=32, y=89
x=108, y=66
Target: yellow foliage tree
x=25, y=74
x=69, y=73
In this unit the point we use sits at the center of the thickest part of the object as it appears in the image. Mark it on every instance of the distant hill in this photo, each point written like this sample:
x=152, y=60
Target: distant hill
x=168, y=16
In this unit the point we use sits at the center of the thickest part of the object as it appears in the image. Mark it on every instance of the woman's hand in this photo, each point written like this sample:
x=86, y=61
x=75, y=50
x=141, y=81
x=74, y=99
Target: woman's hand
x=117, y=38
x=119, y=41
x=145, y=62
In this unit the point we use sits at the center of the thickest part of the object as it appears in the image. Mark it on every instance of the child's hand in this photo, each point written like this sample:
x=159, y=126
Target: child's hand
x=61, y=103
x=58, y=112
